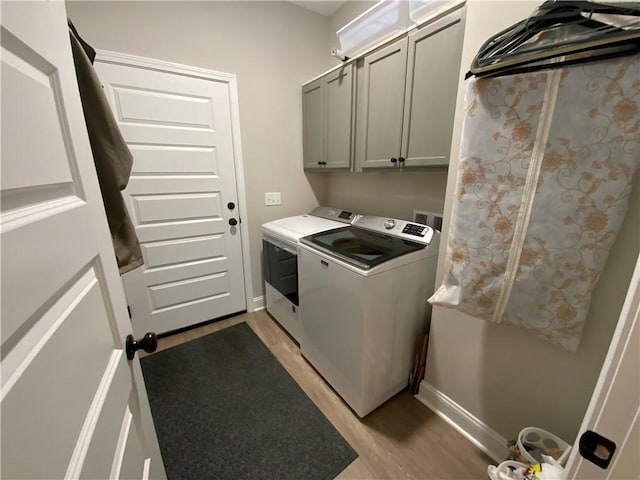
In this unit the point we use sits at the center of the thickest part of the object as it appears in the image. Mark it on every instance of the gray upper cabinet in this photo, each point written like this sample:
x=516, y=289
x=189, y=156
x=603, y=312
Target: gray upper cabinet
x=408, y=97
x=328, y=120
x=338, y=92
x=433, y=71
x=382, y=97
x=313, y=121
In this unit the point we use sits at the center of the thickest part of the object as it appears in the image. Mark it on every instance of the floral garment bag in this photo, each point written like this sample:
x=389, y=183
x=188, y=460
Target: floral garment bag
x=547, y=165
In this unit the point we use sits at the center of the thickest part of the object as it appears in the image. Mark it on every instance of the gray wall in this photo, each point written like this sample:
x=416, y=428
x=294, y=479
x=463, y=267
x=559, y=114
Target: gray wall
x=389, y=194
x=504, y=376
x=272, y=47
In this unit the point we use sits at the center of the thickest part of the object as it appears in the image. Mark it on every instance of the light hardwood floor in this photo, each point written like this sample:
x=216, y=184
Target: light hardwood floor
x=402, y=439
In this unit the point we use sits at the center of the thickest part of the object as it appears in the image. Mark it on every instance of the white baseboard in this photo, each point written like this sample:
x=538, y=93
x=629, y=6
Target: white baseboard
x=257, y=304
x=474, y=429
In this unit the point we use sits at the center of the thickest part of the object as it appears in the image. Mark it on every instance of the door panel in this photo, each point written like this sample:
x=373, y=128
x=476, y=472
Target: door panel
x=339, y=102
x=156, y=208
x=144, y=106
x=157, y=232
x=176, y=293
x=188, y=250
x=64, y=372
x=172, y=184
x=170, y=159
x=49, y=379
x=313, y=122
x=614, y=408
x=131, y=467
x=383, y=101
x=97, y=464
x=39, y=127
x=179, y=130
x=432, y=85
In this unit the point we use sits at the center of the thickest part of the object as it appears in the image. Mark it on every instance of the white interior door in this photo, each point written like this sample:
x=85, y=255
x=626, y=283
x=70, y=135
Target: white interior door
x=72, y=406
x=183, y=183
x=615, y=405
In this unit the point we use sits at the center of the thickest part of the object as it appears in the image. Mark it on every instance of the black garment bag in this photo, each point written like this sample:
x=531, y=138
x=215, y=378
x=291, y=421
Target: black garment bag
x=561, y=33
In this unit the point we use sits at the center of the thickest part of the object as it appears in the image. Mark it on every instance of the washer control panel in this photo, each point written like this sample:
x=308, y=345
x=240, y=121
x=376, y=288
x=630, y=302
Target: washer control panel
x=415, y=229
x=416, y=232
x=344, y=215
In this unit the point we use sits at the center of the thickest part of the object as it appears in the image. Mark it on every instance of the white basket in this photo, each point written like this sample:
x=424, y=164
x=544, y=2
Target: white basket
x=545, y=441
x=420, y=10
x=385, y=19
x=504, y=470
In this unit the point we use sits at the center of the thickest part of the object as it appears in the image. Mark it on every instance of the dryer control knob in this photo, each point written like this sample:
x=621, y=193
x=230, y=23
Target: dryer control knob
x=389, y=224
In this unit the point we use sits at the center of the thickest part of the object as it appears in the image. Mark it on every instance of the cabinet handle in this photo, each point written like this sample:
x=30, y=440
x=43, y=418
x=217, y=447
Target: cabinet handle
x=394, y=160
x=326, y=264
x=401, y=159
x=322, y=163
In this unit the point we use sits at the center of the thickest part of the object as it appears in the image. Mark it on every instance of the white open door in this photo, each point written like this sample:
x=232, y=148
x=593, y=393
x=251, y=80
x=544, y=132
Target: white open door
x=609, y=432
x=72, y=405
x=182, y=196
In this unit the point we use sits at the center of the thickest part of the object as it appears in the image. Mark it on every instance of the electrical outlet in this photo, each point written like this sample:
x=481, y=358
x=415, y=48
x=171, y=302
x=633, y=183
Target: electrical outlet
x=434, y=220
x=272, y=198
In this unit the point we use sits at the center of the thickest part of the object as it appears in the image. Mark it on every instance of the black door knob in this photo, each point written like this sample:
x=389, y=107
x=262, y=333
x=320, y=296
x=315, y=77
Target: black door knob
x=233, y=222
x=394, y=160
x=401, y=159
x=148, y=343
x=231, y=205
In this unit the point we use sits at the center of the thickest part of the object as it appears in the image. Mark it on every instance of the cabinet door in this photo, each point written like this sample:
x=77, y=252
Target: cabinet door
x=338, y=94
x=383, y=102
x=432, y=83
x=313, y=124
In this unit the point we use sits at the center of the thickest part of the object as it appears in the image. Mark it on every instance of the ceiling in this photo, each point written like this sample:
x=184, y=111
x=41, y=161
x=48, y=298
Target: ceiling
x=326, y=8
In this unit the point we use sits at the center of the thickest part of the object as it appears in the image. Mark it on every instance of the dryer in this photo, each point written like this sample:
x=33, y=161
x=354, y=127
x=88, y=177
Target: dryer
x=363, y=305
x=279, y=254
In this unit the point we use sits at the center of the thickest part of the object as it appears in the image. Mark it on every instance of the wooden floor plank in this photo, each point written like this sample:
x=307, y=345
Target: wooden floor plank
x=402, y=439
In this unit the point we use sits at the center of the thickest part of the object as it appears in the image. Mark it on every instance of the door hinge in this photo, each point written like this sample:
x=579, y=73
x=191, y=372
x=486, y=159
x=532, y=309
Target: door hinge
x=129, y=311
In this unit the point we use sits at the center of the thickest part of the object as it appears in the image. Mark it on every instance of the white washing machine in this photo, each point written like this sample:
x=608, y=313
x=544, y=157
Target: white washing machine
x=279, y=254
x=363, y=305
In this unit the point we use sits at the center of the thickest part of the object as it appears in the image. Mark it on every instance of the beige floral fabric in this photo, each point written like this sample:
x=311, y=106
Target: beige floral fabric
x=532, y=258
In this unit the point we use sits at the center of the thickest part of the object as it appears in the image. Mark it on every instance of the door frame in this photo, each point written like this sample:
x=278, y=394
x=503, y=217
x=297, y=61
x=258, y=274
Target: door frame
x=230, y=79
x=604, y=398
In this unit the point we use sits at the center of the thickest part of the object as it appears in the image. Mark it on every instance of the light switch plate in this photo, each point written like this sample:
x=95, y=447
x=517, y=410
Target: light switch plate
x=272, y=198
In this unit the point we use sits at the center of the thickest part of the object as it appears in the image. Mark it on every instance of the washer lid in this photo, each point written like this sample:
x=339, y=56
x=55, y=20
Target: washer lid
x=320, y=219
x=293, y=228
x=361, y=247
